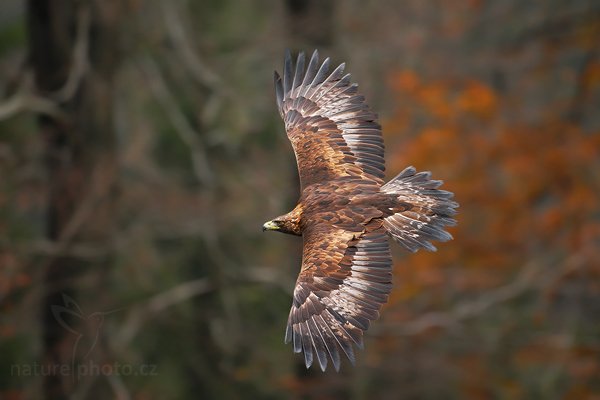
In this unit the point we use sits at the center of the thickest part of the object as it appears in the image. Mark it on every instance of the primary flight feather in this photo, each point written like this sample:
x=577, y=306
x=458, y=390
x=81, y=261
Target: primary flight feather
x=346, y=213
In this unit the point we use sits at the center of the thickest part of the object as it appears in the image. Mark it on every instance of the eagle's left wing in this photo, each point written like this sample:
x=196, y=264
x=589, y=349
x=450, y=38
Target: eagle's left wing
x=344, y=280
x=333, y=132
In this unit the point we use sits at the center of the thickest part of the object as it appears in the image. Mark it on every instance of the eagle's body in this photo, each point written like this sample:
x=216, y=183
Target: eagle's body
x=334, y=201
x=346, y=213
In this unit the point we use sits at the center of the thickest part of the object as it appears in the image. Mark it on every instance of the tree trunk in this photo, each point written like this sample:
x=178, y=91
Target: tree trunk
x=73, y=51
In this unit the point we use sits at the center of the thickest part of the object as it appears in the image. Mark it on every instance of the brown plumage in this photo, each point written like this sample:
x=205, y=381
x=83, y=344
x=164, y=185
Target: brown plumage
x=346, y=212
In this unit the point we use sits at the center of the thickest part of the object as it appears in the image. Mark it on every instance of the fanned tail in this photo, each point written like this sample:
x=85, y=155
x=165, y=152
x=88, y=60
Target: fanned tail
x=429, y=210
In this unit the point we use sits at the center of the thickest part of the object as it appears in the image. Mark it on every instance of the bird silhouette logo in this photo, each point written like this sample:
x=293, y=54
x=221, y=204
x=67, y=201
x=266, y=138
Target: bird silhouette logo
x=86, y=328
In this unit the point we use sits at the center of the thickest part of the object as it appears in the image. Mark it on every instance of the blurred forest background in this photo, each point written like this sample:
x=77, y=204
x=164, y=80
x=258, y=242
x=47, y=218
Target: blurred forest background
x=141, y=151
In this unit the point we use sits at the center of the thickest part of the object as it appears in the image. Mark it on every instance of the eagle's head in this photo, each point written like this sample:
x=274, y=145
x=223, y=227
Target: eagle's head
x=288, y=223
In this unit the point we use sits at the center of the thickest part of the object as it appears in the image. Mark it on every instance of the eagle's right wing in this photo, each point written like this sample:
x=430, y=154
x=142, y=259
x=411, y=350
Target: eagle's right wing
x=332, y=130
x=345, y=278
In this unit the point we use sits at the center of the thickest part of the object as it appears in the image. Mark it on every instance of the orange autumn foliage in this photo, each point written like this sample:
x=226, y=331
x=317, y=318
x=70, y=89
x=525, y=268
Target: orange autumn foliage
x=528, y=193
x=520, y=186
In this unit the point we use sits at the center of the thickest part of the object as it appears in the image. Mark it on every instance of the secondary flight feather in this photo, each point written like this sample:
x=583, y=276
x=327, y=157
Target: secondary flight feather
x=346, y=212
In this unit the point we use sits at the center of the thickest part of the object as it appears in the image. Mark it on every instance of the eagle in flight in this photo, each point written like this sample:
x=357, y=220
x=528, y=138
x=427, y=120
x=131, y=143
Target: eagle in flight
x=346, y=211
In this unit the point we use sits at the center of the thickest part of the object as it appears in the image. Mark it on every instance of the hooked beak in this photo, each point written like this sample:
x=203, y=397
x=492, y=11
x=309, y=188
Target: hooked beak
x=270, y=226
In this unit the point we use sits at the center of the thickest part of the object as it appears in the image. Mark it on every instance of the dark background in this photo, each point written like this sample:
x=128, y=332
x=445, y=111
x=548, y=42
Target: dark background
x=141, y=151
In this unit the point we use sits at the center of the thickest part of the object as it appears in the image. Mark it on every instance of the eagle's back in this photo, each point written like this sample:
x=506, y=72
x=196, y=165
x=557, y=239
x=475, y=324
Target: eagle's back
x=347, y=203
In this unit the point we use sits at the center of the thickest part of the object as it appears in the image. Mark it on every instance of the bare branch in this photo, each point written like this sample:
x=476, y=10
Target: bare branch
x=180, y=123
x=24, y=100
x=79, y=250
x=159, y=303
x=265, y=275
x=99, y=186
x=175, y=29
x=79, y=59
x=532, y=276
x=118, y=386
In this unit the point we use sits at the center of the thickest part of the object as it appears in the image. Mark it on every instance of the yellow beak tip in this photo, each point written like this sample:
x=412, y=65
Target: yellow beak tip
x=270, y=226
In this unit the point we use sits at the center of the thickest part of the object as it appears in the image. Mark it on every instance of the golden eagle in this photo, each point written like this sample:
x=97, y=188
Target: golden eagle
x=346, y=212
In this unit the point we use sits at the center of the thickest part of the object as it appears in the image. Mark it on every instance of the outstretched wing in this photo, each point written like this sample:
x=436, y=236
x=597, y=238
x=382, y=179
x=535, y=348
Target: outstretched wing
x=344, y=280
x=331, y=128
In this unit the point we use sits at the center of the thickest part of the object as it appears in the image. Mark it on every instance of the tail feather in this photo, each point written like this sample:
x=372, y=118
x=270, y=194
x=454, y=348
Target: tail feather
x=430, y=210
